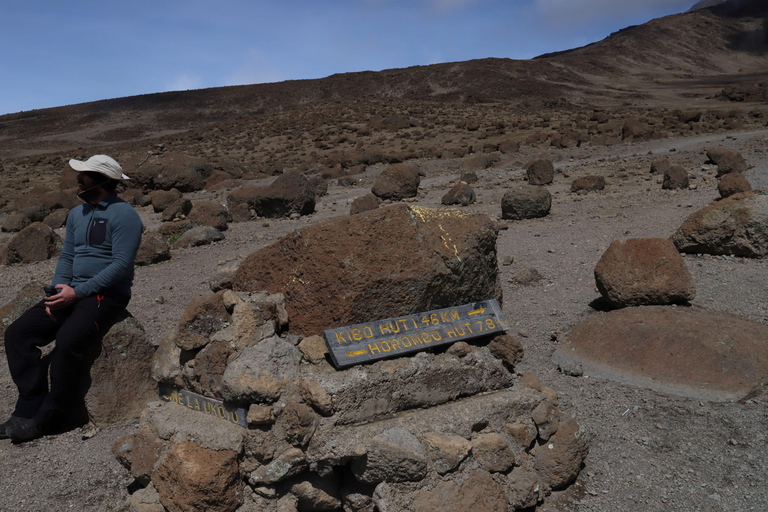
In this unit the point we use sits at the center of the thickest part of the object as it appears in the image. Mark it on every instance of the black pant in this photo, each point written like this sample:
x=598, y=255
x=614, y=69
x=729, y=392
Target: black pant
x=77, y=337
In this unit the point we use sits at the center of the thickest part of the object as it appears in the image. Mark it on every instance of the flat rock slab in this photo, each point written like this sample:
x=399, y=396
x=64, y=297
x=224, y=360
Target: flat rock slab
x=684, y=351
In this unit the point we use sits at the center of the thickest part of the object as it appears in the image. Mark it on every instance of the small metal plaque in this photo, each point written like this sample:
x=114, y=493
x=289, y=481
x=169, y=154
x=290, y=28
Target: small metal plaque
x=393, y=337
x=221, y=410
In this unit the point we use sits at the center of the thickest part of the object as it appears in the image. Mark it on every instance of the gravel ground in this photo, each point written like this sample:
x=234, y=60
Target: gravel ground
x=650, y=451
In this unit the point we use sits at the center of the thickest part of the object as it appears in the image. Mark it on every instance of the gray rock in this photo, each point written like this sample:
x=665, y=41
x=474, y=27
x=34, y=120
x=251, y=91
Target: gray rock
x=394, y=456
x=261, y=372
x=289, y=463
x=445, y=452
x=201, y=235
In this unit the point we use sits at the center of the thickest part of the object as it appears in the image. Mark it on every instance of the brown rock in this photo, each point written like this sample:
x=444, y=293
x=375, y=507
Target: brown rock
x=29, y=295
x=316, y=396
x=733, y=183
x=15, y=223
x=363, y=204
x=162, y=199
x=653, y=346
x=57, y=218
x=335, y=274
x=588, y=183
x=208, y=213
x=192, y=479
x=177, y=210
x=210, y=364
x=540, y=172
x=643, y=271
x=314, y=349
x=675, y=178
x=154, y=248
x=316, y=493
x=202, y=317
x=121, y=382
x=493, y=453
x=296, y=424
x=731, y=161
x=547, y=418
x=478, y=492
x=735, y=225
x=396, y=182
x=36, y=242
x=660, y=165
x=558, y=461
x=506, y=349
x=461, y=194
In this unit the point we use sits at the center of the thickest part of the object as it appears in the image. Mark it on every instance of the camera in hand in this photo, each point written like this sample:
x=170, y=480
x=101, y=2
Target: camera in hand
x=50, y=290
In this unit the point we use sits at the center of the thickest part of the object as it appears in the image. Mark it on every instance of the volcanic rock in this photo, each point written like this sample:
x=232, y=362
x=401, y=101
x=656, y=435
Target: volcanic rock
x=336, y=273
x=540, y=172
x=461, y=194
x=364, y=204
x=396, y=182
x=588, y=184
x=685, y=351
x=290, y=193
x=209, y=213
x=643, y=271
x=154, y=248
x=733, y=183
x=120, y=378
x=526, y=202
x=736, y=225
x=193, y=479
x=36, y=242
x=675, y=178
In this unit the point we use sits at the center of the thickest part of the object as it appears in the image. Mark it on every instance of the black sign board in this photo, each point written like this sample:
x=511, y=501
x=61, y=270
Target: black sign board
x=221, y=410
x=393, y=337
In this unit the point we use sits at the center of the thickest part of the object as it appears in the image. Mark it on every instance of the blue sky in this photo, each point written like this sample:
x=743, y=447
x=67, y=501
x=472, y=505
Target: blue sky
x=57, y=53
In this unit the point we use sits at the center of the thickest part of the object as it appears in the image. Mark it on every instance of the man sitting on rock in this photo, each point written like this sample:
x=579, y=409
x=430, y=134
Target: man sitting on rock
x=91, y=286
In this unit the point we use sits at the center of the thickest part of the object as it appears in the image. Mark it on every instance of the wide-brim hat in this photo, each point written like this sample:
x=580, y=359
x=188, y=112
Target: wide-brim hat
x=102, y=164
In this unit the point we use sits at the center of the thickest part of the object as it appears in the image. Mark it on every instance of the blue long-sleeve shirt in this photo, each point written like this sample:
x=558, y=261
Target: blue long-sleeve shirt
x=100, y=247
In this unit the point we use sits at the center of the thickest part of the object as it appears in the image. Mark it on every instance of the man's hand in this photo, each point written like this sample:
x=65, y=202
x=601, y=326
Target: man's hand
x=65, y=297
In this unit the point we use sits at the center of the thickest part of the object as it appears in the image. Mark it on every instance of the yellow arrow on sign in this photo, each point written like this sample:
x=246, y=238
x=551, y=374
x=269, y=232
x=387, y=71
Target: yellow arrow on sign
x=356, y=353
x=476, y=312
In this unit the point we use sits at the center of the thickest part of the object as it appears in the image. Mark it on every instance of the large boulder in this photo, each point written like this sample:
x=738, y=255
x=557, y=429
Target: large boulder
x=526, y=202
x=396, y=182
x=643, y=271
x=36, y=242
x=168, y=170
x=342, y=272
x=736, y=225
x=290, y=193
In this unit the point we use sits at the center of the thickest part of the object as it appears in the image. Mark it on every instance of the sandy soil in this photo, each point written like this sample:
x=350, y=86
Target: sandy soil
x=650, y=451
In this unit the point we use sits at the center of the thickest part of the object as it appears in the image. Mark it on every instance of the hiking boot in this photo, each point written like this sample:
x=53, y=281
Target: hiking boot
x=24, y=430
x=7, y=425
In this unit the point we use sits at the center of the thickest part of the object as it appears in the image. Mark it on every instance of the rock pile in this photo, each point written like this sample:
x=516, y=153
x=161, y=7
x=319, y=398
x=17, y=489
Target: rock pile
x=409, y=433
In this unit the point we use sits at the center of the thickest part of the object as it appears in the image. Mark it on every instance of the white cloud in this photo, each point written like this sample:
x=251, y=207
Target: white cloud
x=568, y=12
x=258, y=68
x=184, y=82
